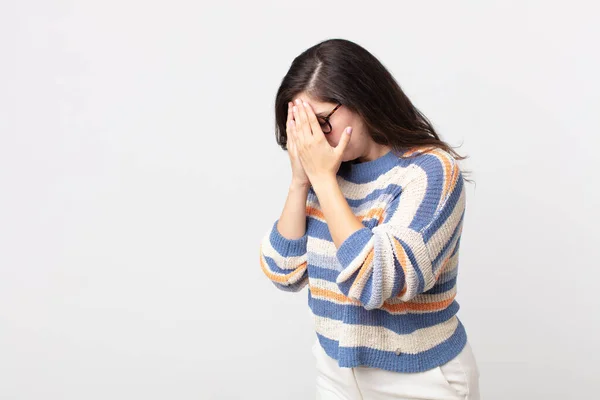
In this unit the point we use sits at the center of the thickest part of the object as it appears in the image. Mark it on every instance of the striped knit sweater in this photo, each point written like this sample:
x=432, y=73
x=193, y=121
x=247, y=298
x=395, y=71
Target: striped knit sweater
x=386, y=297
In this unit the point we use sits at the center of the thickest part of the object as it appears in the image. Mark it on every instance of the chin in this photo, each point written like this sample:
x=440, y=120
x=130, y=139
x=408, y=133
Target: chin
x=347, y=157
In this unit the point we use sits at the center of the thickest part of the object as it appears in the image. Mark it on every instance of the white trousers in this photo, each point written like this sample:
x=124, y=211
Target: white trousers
x=457, y=379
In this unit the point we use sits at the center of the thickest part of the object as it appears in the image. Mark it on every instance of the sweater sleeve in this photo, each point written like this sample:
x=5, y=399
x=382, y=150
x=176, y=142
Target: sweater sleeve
x=404, y=256
x=283, y=260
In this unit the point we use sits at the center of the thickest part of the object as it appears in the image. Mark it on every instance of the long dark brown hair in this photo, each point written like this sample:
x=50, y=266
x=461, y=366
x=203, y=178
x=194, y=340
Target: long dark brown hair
x=341, y=71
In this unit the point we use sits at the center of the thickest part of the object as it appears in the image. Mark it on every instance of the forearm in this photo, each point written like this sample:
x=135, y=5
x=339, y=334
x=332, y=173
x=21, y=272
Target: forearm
x=341, y=221
x=292, y=222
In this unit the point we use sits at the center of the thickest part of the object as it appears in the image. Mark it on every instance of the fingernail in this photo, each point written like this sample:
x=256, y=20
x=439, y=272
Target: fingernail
x=349, y=130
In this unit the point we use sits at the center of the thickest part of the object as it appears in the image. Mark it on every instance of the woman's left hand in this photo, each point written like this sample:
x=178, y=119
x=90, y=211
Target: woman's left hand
x=318, y=158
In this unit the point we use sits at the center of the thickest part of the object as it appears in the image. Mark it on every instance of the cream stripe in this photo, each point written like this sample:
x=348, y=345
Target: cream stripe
x=378, y=202
x=322, y=284
x=399, y=175
x=437, y=242
x=449, y=251
x=452, y=264
x=360, y=281
x=384, y=339
x=414, y=240
x=410, y=200
x=325, y=284
x=427, y=298
x=324, y=261
x=322, y=247
x=291, y=262
x=386, y=263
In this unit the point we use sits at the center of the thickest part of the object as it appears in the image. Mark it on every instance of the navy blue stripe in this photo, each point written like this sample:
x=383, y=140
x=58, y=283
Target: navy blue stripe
x=319, y=229
x=442, y=287
x=345, y=286
x=272, y=265
x=443, y=214
x=287, y=247
x=374, y=195
x=449, y=242
x=367, y=293
x=400, y=278
x=353, y=245
x=315, y=271
x=366, y=172
x=350, y=357
x=416, y=265
x=457, y=242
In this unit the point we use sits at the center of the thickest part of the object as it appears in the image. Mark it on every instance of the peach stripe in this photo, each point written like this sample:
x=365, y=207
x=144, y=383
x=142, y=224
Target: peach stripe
x=281, y=278
x=450, y=174
x=398, y=307
x=433, y=306
x=314, y=212
x=376, y=212
x=328, y=294
x=403, y=260
x=368, y=261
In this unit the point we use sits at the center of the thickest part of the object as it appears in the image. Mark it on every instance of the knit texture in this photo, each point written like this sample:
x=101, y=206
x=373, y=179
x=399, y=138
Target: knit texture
x=386, y=297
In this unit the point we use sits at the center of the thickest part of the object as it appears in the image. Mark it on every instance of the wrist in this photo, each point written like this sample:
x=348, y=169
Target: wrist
x=299, y=185
x=324, y=181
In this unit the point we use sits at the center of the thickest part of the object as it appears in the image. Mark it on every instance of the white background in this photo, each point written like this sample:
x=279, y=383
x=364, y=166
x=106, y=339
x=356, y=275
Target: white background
x=139, y=171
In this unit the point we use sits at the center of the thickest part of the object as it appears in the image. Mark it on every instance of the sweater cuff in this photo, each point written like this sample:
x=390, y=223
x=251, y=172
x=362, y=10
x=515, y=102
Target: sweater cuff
x=353, y=245
x=287, y=247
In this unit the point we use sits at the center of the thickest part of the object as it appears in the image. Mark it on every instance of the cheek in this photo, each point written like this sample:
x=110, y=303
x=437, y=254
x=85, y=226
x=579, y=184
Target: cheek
x=333, y=139
x=333, y=143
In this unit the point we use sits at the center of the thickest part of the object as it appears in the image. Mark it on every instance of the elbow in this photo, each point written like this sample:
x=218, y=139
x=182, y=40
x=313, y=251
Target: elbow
x=372, y=292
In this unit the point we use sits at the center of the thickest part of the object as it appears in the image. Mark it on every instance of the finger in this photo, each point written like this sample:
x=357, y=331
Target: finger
x=313, y=122
x=298, y=140
x=304, y=129
x=293, y=137
x=290, y=118
x=344, y=140
x=299, y=130
x=290, y=115
x=290, y=138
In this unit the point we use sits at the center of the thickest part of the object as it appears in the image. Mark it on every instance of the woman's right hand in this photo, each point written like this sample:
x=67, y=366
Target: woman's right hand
x=299, y=177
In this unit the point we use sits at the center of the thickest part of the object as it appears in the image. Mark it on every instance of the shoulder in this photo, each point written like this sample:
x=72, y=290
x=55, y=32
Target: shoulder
x=431, y=163
x=433, y=175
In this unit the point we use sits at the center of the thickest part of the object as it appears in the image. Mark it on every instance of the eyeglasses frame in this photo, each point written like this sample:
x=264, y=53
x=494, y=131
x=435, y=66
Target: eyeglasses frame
x=326, y=118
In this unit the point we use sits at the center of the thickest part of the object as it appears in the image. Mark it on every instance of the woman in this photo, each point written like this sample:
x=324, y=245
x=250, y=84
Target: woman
x=372, y=224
